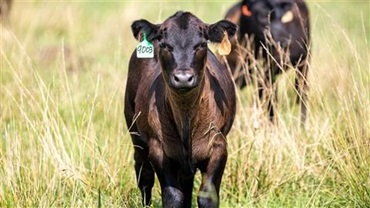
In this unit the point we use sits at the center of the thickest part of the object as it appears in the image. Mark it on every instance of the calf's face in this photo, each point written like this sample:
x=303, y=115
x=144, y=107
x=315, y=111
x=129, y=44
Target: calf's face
x=183, y=51
x=269, y=15
x=182, y=41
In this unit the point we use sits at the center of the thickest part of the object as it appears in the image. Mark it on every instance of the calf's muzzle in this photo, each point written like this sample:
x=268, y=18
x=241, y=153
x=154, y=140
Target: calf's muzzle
x=183, y=79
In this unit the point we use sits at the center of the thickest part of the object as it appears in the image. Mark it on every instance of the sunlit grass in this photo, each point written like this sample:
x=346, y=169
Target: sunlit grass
x=64, y=141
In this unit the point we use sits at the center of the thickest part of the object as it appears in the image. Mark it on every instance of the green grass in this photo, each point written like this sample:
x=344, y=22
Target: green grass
x=63, y=138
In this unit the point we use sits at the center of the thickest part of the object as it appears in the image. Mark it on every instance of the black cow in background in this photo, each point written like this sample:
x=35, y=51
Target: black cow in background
x=278, y=33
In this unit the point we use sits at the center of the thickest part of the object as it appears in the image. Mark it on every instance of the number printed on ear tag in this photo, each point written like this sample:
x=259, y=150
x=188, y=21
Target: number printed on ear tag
x=145, y=49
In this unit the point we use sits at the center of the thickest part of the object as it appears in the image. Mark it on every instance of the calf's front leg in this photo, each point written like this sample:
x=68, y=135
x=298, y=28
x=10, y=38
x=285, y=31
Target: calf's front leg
x=168, y=175
x=212, y=172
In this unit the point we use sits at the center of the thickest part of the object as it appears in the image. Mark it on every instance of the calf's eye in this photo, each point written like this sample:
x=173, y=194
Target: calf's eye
x=165, y=46
x=200, y=46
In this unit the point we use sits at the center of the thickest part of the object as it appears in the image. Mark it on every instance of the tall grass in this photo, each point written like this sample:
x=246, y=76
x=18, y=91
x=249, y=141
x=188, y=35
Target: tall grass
x=64, y=141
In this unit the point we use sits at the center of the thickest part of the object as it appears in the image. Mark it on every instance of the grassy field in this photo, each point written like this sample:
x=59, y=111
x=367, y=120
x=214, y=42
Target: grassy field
x=63, y=138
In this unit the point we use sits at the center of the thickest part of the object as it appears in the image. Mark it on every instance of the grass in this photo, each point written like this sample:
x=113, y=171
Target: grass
x=64, y=141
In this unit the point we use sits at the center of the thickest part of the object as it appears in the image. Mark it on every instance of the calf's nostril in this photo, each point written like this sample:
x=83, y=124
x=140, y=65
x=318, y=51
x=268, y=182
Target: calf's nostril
x=190, y=79
x=176, y=79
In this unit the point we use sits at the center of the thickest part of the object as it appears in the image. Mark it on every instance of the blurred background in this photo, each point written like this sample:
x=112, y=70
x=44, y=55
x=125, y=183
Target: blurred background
x=64, y=141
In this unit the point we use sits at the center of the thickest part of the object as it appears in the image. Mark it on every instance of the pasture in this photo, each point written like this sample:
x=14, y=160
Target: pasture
x=63, y=138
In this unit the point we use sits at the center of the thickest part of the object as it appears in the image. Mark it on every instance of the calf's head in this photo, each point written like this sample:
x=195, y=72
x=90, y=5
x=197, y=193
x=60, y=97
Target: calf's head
x=261, y=16
x=182, y=41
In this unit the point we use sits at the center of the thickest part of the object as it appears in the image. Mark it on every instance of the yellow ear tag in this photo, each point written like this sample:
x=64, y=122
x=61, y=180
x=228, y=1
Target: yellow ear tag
x=224, y=48
x=287, y=17
x=212, y=47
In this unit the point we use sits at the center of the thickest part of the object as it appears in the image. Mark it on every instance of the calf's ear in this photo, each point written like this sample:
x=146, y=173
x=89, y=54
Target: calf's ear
x=139, y=27
x=216, y=31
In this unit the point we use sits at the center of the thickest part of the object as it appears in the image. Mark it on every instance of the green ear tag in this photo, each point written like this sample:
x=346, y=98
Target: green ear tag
x=145, y=49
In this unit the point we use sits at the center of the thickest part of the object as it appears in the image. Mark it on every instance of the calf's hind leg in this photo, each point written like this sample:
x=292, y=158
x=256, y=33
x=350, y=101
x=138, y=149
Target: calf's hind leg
x=144, y=170
x=187, y=187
